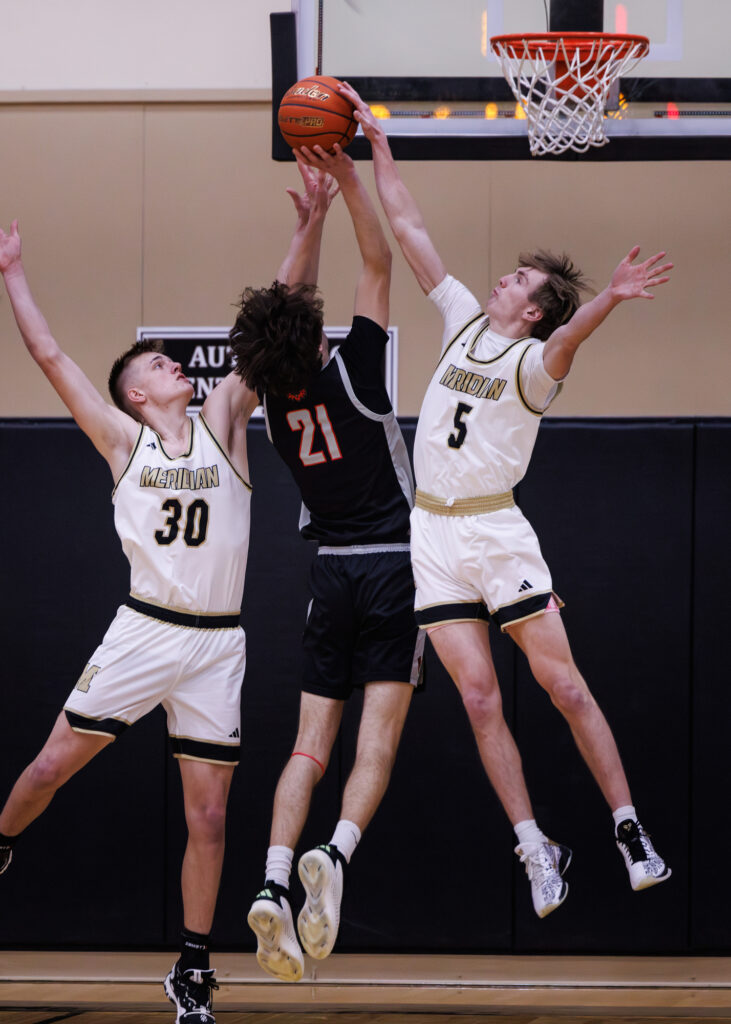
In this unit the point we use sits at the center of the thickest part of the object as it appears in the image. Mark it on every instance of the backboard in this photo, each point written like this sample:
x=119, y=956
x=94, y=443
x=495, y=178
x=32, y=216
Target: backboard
x=429, y=67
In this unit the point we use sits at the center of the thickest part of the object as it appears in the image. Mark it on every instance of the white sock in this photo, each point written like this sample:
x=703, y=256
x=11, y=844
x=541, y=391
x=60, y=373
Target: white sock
x=346, y=837
x=622, y=813
x=528, y=833
x=279, y=864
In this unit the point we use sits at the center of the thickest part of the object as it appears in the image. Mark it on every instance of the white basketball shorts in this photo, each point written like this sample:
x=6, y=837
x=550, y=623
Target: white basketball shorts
x=196, y=674
x=477, y=567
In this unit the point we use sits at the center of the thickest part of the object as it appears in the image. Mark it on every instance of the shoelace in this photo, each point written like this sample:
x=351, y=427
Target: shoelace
x=538, y=864
x=641, y=840
x=194, y=981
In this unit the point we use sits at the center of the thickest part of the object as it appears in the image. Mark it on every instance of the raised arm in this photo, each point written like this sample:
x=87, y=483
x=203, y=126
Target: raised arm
x=629, y=281
x=374, y=280
x=302, y=263
x=111, y=431
x=403, y=214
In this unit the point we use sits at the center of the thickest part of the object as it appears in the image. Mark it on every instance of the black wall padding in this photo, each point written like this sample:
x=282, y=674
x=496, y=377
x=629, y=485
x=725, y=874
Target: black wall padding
x=710, y=709
x=632, y=520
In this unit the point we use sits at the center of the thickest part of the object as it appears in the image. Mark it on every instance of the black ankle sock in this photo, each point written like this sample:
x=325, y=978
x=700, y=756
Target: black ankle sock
x=193, y=951
x=7, y=840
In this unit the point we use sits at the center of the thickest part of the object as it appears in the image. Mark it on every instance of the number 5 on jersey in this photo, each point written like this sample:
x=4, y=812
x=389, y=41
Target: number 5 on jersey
x=301, y=419
x=456, y=440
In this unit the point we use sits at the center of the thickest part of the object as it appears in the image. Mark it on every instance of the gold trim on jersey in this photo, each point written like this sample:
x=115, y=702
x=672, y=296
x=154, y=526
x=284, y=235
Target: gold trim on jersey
x=464, y=506
x=183, y=455
x=519, y=388
x=223, y=451
x=461, y=331
x=486, y=362
x=177, y=608
x=129, y=460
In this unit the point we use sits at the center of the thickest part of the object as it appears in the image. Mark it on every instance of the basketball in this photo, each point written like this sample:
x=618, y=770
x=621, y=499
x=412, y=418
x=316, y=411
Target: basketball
x=313, y=112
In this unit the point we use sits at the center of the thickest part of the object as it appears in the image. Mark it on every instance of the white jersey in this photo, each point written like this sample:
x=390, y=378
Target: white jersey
x=481, y=412
x=184, y=524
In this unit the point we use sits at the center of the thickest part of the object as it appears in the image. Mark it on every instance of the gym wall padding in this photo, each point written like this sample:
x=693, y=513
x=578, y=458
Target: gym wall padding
x=631, y=516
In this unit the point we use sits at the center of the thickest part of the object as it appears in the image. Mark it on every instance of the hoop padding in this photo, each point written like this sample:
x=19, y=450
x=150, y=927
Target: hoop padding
x=562, y=82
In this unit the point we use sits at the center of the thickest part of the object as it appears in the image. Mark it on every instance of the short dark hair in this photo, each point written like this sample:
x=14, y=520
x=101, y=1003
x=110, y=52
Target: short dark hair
x=277, y=336
x=560, y=294
x=120, y=365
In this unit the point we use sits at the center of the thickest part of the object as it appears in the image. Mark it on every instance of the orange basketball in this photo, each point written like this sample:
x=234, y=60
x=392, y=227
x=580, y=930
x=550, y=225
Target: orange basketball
x=313, y=112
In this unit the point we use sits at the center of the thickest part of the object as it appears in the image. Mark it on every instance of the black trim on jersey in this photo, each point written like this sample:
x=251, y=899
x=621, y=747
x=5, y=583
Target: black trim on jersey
x=129, y=460
x=106, y=726
x=484, y=362
x=459, y=611
x=182, y=455
x=519, y=387
x=154, y=611
x=522, y=609
x=201, y=750
x=461, y=331
x=222, y=450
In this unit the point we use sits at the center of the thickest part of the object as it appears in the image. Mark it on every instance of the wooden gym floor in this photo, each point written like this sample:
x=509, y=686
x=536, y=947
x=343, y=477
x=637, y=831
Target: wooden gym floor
x=125, y=988
x=124, y=1017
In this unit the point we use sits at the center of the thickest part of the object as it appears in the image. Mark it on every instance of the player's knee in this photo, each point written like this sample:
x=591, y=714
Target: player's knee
x=483, y=704
x=377, y=758
x=46, y=773
x=568, y=694
x=207, y=821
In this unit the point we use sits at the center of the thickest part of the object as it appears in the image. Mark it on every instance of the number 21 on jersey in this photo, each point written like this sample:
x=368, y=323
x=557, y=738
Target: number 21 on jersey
x=301, y=419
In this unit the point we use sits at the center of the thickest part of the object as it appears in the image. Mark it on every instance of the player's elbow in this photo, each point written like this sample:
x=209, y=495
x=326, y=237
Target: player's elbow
x=44, y=349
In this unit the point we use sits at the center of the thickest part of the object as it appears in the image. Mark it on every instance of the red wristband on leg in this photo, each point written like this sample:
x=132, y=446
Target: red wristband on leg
x=300, y=753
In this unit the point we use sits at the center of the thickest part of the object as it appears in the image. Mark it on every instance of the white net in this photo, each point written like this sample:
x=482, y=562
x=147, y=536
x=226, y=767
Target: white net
x=562, y=82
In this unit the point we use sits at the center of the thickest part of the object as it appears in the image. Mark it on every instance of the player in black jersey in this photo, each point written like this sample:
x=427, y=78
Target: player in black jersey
x=329, y=416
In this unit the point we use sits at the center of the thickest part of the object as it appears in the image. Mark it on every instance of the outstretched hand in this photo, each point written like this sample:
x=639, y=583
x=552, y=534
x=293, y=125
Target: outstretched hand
x=320, y=190
x=335, y=162
x=631, y=280
x=9, y=247
x=362, y=112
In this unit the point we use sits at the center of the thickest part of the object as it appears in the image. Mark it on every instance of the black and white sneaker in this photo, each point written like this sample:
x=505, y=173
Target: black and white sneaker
x=545, y=864
x=270, y=918
x=190, y=993
x=644, y=865
x=6, y=855
x=321, y=874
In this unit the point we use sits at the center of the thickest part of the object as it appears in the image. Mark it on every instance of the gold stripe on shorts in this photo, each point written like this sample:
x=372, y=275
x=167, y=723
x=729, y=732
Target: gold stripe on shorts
x=464, y=506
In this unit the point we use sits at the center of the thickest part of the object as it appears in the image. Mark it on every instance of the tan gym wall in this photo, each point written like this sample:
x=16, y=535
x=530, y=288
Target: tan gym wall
x=156, y=205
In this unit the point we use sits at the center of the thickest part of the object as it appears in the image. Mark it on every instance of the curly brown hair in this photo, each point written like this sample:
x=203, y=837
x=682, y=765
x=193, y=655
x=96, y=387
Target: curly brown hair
x=277, y=336
x=115, y=384
x=560, y=294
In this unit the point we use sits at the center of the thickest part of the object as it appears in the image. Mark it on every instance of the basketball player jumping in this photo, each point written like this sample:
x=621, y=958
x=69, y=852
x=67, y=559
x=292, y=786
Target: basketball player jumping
x=475, y=556
x=181, y=502
x=330, y=418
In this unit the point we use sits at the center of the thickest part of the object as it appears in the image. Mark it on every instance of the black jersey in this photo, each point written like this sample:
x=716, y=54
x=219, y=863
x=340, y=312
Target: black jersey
x=344, y=447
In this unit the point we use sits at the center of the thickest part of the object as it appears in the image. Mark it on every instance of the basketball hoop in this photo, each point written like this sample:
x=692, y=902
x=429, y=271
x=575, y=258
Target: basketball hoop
x=562, y=81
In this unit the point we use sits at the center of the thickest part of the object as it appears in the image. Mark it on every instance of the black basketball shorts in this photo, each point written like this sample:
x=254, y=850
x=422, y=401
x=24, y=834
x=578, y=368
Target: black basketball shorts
x=360, y=624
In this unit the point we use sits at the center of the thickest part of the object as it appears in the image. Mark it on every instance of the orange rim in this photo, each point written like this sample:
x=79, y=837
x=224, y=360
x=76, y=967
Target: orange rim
x=573, y=42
